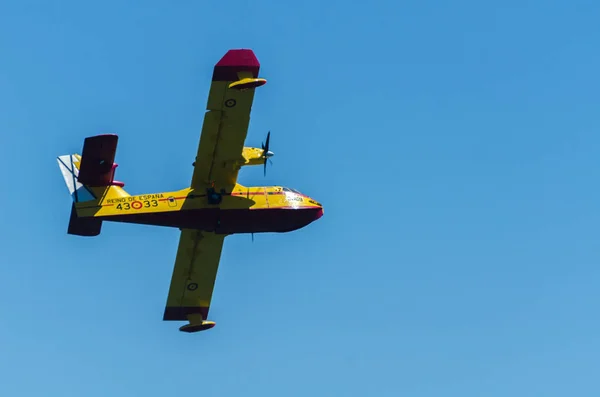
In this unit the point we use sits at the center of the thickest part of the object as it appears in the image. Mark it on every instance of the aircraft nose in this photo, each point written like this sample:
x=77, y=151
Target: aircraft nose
x=319, y=213
x=270, y=154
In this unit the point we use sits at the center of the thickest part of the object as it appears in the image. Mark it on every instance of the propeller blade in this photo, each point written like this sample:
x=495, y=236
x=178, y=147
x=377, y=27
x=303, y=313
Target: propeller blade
x=268, y=139
x=265, y=153
x=265, y=146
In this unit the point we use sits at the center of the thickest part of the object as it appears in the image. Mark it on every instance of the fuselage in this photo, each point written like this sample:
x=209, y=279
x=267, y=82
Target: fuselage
x=244, y=210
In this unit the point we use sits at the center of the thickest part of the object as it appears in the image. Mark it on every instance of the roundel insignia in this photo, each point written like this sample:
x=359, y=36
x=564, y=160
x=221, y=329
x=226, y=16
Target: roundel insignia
x=136, y=205
x=230, y=103
x=192, y=286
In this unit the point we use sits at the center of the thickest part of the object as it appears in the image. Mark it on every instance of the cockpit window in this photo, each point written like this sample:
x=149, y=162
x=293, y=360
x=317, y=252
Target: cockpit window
x=287, y=189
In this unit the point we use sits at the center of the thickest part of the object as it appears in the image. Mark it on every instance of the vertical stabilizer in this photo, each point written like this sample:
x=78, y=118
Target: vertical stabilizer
x=69, y=167
x=90, y=179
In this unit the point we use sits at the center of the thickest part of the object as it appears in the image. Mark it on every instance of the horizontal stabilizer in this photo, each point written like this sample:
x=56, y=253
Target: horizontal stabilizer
x=83, y=226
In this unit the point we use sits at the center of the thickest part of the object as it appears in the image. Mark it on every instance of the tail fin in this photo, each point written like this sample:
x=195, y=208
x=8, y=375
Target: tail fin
x=90, y=178
x=69, y=166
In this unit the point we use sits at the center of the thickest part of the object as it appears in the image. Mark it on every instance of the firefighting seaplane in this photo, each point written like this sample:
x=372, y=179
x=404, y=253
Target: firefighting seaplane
x=213, y=207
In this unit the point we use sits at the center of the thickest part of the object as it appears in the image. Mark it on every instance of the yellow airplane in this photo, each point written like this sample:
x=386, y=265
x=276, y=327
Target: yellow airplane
x=213, y=207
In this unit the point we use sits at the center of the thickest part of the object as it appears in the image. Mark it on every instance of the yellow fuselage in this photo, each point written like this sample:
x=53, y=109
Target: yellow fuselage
x=245, y=210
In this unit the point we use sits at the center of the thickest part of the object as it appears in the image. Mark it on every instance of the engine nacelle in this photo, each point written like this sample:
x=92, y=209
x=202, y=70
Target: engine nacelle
x=255, y=156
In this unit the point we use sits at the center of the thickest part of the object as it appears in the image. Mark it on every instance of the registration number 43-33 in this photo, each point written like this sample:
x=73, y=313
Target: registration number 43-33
x=136, y=205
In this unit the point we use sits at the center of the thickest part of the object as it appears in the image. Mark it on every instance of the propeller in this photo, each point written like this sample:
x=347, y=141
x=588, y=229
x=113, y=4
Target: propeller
x=266, y=154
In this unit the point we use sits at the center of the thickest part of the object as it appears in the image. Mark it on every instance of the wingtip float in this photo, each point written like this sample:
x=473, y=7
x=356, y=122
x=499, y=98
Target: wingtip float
x=214, y=206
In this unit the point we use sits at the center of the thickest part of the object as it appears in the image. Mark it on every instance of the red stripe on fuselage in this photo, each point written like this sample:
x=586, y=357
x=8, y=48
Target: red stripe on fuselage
x=174, y=198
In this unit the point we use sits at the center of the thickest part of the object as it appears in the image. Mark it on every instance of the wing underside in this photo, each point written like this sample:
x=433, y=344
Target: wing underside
x=226, y=121
x=217, y=163
x=194, y=274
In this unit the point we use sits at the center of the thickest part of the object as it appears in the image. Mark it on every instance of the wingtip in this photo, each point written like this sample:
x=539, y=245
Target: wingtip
x=235, y=61
x=239, y=57
x=104, y=135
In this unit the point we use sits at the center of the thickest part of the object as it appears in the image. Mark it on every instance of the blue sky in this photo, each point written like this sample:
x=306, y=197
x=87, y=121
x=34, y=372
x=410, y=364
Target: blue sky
x=454, y=146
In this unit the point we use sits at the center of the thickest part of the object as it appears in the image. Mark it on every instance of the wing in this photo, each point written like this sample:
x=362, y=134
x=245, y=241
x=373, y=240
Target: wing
x=194, y=274
x=225, y=127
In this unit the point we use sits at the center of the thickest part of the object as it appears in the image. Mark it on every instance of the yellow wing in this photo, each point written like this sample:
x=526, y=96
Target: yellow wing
x=194, y=275
x=225, y=127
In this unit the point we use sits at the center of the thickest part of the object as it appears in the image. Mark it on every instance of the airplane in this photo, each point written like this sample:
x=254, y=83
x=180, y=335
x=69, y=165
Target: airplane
x=213, y=207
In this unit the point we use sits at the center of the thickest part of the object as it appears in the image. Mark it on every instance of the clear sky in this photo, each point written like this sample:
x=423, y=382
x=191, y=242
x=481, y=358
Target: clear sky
x=454, y=146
